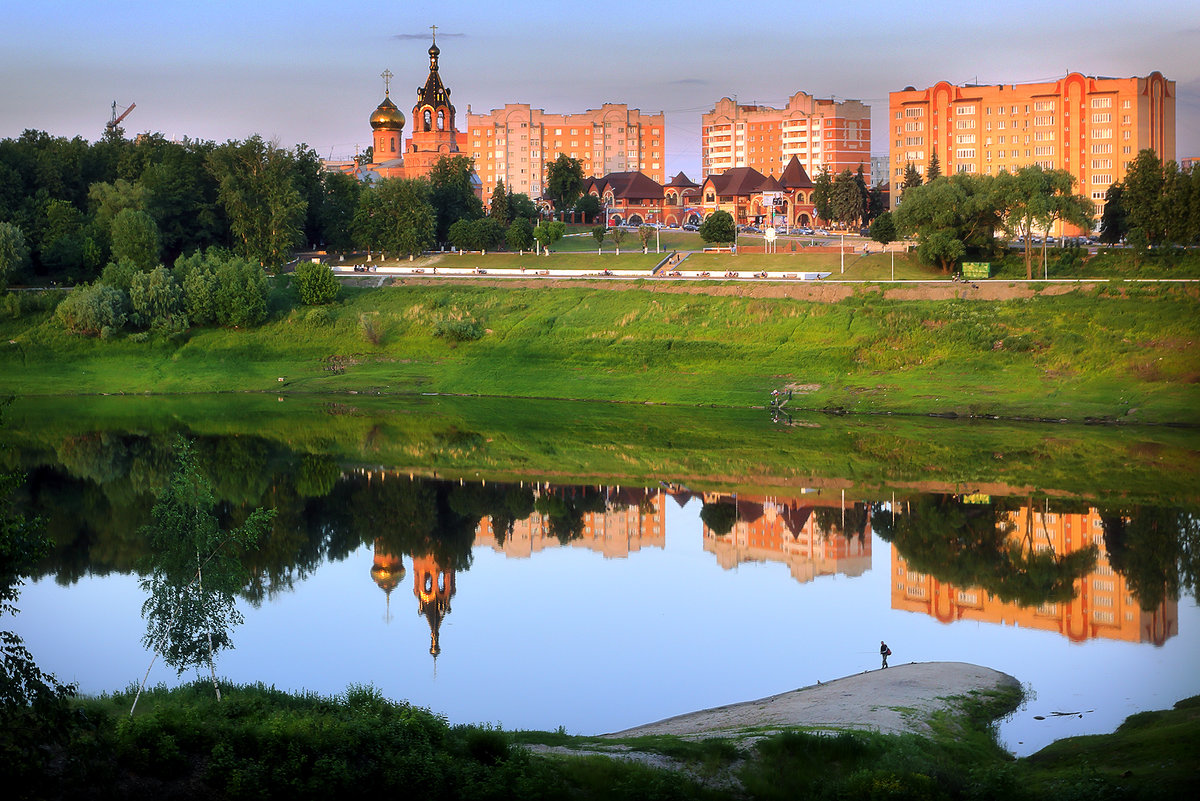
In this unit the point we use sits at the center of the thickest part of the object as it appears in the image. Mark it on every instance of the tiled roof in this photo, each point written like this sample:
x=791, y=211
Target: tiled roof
x=627, y=185
x=739, y=181
x=681, y=180
x=794, y=176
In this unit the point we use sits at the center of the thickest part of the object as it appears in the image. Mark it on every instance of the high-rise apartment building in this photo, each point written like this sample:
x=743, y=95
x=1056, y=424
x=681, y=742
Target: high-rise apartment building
x=515, y=143
x=1091, y=127
x=818, y=132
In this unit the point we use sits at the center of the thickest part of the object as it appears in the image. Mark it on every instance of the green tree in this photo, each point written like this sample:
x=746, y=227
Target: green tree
x=589, y=207
x=93, y=310
x=951, y=217
x=452, y=193
x=599, y=233
x=157, y=301
x=1143, y=193
x=846, y=200
x=564, y=181
x=194, y=571
x=488, y=233
x=519, y=235
x=396, y=215
x=14, y=253
x=341, y=194
x=935, y=168
x=718, y=227
x=462, y=235
x=257, y=189
x=520, y=206
x=912, y=178
x=135, y=239
x=183, y=198
x=644, y=234
x=241, y=298
x=883, y=228
x=618, y=236
x=548, y=232
x=1114, y=222
x=316, y=284
x=499, y=205
x=822, y=195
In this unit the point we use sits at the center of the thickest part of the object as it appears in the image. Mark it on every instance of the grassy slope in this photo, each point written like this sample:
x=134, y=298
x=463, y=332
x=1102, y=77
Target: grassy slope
x=1074, y=356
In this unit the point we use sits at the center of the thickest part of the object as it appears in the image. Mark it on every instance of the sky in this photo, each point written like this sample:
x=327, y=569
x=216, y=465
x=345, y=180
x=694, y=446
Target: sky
x=307, y=71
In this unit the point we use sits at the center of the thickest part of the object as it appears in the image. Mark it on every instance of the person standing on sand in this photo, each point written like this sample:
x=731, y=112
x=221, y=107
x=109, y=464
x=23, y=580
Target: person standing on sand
x=885, y=652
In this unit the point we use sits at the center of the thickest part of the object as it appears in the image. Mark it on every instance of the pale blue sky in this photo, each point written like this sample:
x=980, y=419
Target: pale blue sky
x=308, y=71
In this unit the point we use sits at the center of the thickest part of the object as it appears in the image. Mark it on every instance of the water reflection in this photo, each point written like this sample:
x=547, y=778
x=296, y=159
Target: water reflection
x=1057, y=558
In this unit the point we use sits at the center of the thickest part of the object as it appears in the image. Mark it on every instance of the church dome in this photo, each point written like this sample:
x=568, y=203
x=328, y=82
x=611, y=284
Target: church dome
x=387, y=116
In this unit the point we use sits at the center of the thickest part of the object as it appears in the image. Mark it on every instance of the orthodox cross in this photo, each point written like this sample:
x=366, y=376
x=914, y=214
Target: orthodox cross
x=387, y=79
x=434, y=29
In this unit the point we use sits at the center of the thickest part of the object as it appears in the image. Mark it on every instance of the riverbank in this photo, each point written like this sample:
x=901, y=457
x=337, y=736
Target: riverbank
x=900, y=700
x=1082, y=356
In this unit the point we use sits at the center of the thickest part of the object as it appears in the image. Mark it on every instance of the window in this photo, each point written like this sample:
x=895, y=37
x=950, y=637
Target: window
x=965, y=153
x=914, y=126
x=1044, y=150
x=1125, y=135
x=1101, y=102
x=965, y=168
x=1043, y=136
x=964, y=139
x=1043, y=120
x=965, y=110
x=965, y=125
x=1126, y=104
x=1102, y=133
x=1101, y=119
x=913, y=140
x=1044, y=105
x=1126, y=150
x=1099, y=179
x=1099, y=149
x=914, y=112
x=1101, y=164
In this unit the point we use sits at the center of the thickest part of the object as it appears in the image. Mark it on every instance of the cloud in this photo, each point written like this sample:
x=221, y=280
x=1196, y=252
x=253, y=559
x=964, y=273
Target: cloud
x=425, y=36
x=690, y=82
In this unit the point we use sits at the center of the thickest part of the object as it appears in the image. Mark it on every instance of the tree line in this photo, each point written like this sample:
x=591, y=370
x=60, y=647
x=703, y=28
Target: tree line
x=964, y=215
x=70, y=208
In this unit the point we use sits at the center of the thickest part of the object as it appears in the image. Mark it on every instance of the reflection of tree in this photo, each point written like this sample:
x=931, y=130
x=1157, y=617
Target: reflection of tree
x=194, y=571
x=564, y=508
x=505, y=504
x=969, y=545
x=856, y=517
x=1155, y=549
x=719, y=517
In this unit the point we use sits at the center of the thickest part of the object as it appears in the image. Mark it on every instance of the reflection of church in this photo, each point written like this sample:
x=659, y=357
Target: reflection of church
x=432, y=585
x=1103, y=606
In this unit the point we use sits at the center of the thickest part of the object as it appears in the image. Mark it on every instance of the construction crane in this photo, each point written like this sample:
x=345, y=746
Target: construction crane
x=114, y=121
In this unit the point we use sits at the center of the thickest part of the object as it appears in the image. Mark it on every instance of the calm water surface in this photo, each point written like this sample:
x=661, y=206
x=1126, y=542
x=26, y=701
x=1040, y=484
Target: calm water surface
x=647, y=610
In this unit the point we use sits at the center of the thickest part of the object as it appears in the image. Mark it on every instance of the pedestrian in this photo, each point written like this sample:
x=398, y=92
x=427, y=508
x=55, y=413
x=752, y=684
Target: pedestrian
x=885, y=652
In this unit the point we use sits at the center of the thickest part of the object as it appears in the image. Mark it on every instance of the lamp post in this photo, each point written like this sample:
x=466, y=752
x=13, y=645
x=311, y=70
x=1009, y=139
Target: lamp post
x=842, y=253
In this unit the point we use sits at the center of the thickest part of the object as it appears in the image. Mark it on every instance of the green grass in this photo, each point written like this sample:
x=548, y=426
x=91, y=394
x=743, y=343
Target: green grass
x=1077, y=356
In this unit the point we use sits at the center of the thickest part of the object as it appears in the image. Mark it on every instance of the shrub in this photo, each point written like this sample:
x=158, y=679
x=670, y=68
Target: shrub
x=93, y=310
x=157, y=301
x=241, y=293
x=458, y=330
x=316, y=283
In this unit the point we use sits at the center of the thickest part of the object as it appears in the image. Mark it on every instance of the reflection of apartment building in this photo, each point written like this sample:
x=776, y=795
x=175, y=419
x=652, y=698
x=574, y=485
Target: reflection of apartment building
x=515, y=143
x=632, y=519
x=817, y=132
x=787, y=530
x=1102, y=608
x=1091, y=127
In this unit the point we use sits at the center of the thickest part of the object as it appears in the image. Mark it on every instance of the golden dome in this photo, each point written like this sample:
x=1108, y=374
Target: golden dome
x=387, y=116
x=388, y=577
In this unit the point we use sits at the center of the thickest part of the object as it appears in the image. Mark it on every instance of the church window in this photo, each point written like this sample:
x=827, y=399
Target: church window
x=441, y=120
x=428, y=120
x=393, y=144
